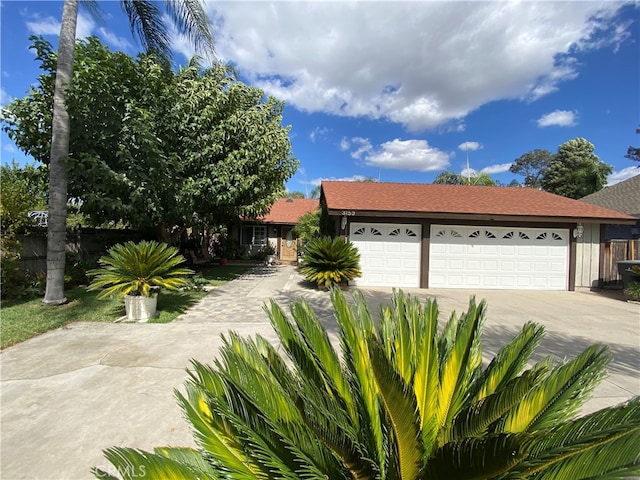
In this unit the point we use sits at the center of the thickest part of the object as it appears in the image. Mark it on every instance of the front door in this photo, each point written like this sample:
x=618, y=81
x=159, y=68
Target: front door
x=288, y=245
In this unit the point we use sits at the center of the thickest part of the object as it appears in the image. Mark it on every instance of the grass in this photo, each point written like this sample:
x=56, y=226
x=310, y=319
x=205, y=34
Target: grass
x=21, y=320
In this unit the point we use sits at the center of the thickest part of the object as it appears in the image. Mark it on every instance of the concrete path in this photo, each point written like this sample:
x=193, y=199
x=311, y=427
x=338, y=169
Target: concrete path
x=70, y=393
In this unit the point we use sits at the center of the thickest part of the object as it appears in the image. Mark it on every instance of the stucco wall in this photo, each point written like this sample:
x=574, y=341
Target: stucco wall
x=588, y=257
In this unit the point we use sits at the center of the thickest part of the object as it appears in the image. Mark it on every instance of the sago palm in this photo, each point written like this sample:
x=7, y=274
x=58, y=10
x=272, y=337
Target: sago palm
x=400, y=399
x=330, y=260
x=136, y=268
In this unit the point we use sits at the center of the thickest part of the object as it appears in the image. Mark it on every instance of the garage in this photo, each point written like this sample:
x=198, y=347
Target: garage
x=389, y=253
x=492, y=257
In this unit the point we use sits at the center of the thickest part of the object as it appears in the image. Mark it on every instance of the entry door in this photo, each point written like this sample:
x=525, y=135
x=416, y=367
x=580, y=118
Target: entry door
x=288, y=245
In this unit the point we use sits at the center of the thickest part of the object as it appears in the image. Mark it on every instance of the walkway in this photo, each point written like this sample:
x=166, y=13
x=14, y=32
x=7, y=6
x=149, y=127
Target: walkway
x=70, y=393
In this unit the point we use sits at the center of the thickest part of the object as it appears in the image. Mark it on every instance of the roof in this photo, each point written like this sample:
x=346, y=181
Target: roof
x=457, y=201
x=623, y=197
x=289, y=210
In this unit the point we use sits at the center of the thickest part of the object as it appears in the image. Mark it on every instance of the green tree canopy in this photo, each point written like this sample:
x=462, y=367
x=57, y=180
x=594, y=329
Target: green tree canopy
x=477, y=178
x=23, y=189
x=151, y=147
x=531, y=166
x=575, y=171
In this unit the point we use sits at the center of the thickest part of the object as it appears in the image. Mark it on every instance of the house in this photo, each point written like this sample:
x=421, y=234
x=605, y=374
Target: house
x=622, y=197
x=276, y=227
x=453, y=236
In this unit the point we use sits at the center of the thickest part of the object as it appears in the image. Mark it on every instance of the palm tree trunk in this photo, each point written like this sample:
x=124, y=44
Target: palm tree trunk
x=56, y=226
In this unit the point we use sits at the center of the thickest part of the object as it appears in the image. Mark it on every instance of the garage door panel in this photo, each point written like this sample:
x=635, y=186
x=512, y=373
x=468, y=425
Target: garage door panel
x=389, y=254
x=498, y=257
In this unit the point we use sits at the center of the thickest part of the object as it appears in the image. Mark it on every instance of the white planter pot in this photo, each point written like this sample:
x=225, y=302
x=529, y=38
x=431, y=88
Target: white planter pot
x=140, y=308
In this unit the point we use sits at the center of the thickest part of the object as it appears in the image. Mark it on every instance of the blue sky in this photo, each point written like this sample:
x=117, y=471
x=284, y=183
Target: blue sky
x=401, y=91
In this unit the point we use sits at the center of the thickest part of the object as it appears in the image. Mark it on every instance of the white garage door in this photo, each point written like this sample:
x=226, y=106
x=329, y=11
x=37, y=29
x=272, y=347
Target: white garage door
x=498, y=257
x=389, y=254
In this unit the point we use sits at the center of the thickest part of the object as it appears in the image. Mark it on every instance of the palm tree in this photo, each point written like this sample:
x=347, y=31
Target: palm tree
x=146, y=24
x=402, y=399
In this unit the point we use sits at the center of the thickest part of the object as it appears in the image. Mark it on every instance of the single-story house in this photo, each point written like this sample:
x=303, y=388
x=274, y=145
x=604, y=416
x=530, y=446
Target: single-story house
x=453, y=236
x=622, y=197
x=276, y=227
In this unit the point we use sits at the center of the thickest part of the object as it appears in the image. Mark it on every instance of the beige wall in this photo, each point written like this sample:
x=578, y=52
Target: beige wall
x=588, y=257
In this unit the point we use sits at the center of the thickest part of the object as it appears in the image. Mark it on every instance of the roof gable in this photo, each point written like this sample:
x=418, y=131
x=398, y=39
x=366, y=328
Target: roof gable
x=289, y=210
x=623, y=197
x=425, y=199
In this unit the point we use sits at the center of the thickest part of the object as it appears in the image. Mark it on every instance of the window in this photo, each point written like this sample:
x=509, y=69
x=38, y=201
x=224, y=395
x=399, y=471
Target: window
x=254, y=235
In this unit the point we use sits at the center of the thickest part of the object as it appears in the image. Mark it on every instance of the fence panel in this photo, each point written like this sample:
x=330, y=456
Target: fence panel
x=84, y=245
x=615, y=251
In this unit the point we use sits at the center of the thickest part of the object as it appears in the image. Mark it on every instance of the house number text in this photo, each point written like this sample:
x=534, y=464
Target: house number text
x=348, y=213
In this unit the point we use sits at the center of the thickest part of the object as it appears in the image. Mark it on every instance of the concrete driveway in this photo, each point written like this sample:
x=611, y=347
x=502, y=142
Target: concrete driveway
x=70, y=393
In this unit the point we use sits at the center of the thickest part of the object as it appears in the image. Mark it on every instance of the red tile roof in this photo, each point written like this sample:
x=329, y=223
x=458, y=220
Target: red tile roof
x=289, y=210
x=460, y=199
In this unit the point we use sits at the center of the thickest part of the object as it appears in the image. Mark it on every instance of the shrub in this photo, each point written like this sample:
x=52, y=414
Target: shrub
x=633, y=290
x=328, y=261
x=264, y=251
x=402, y=399
x=308, y=227
x=139, y=269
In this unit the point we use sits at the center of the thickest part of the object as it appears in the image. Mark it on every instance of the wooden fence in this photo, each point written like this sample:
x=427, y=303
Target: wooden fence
x=615, y=251
x=83, y=245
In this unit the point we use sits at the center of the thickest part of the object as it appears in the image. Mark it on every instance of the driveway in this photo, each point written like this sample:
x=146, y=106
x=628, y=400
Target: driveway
x=70, y=393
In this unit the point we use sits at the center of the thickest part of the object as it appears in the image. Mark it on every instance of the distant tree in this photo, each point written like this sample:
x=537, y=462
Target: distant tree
x=531, y=166
x=477, y=178
x=633, y=153
x=575, y=171
x=294, y=194
x=315, y=192
x=514, y=183
x=308, y=227
x=23, y=189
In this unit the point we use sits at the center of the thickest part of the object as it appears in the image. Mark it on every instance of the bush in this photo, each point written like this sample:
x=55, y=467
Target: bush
x=633, y=290
x=401, y=399
x=329, y=261
x=139, y=269
x=264, y=251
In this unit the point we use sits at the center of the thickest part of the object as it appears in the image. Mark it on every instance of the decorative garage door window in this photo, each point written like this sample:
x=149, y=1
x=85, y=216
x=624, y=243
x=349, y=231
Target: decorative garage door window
x=496, y=234
x=384, y=232
x=469, y=256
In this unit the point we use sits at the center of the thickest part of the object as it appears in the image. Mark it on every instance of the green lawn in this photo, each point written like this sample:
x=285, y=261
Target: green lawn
x=20, y=320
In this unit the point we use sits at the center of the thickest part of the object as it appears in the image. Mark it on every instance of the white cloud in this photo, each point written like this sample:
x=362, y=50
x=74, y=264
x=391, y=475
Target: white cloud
x=51, y=26
x=344, y=144
x=408, y=155
x=420, y=64
x=4, y=97
x=353, y=178
x=363, y=144
x=10, y=147
x=560, y=118
x=114, y=40
x=45, y=26
x=498, y=168
x=624, y=174
x=318, y=133
x=469, y=146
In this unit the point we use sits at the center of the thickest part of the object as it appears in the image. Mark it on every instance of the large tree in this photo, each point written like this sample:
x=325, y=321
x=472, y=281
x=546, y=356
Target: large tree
x=575, y=171
x=148, y=25
x=477, y=178
x=24, y=189
x=531, y=166
x=154, y=148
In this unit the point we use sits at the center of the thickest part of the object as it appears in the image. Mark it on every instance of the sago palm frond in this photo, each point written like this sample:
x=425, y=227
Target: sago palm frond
x=393, y=400
x=135, y=268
